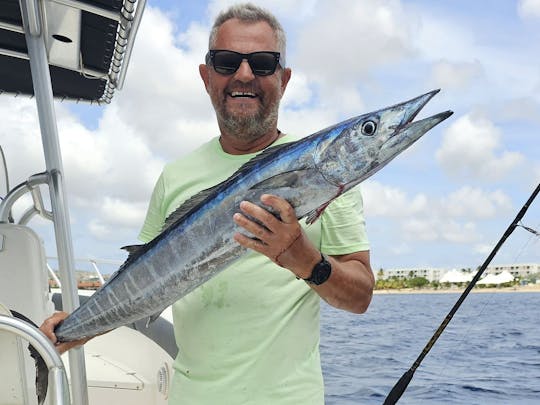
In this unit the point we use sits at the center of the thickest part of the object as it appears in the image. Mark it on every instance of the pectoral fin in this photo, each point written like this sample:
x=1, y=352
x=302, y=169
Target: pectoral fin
x=292, y=179
x=152, y=318
x=314, y=215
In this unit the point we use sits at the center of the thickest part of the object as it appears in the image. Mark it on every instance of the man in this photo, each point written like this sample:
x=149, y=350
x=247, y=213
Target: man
x=250, y=335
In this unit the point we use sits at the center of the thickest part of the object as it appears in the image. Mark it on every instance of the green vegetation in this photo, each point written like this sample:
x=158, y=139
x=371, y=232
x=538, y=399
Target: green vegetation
x=398, y=283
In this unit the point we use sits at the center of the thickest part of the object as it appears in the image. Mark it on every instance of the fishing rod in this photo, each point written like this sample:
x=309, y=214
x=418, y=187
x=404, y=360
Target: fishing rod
x=400, y=387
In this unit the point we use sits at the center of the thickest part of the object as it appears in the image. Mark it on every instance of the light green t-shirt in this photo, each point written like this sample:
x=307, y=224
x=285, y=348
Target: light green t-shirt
x=250, y=335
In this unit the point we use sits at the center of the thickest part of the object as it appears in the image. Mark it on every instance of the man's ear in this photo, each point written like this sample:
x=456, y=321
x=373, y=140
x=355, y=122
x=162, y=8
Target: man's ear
x=203, y=71
x=285, y=77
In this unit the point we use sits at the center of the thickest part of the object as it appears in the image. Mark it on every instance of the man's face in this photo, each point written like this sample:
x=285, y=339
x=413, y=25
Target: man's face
x=246, y=105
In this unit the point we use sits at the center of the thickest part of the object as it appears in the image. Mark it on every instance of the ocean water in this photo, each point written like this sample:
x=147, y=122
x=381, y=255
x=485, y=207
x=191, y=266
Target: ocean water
x=488, y=354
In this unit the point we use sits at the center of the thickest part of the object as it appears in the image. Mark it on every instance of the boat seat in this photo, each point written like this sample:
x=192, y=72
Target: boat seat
x=23, y=271
x=24, y=288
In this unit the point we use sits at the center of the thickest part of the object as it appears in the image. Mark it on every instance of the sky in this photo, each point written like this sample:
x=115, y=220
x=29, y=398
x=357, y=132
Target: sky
x=443, y=203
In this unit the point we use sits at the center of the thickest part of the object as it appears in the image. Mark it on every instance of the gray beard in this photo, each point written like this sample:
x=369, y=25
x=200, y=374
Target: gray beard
x=248, y=127
x=252, y=127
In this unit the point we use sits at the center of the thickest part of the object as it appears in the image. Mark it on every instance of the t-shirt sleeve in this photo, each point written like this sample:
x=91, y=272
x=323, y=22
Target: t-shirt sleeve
x=155, y=219
x=343, y=228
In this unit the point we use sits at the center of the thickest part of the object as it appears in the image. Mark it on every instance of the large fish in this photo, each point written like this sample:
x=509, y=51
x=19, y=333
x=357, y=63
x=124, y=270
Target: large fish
x=197, y=240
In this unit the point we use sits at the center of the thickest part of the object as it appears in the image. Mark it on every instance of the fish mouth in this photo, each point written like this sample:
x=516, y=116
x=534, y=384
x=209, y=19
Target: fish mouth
x=407, y=131
x=427, y=123
x=413, y=107
x=413, y=131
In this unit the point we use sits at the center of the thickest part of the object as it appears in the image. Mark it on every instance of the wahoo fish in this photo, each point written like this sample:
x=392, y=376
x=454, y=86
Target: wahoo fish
x=197, y=242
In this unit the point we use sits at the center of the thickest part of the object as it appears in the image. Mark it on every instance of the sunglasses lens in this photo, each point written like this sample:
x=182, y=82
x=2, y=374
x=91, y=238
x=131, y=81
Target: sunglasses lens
x=261, y=63
x=226, y=62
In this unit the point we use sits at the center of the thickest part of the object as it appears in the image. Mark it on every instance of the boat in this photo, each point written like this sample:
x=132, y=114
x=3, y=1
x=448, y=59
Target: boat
x=64, y=51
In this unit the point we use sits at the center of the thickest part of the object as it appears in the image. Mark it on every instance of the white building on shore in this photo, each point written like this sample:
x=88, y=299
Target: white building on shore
x=523, y=270
x=430, y=273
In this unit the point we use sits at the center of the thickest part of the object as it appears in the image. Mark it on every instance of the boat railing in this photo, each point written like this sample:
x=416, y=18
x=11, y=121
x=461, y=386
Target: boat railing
x=32, y=187
x=53, y=275
x=58, y=386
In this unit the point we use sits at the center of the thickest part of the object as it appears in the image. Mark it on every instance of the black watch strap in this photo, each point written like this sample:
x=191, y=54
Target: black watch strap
x=321, y=272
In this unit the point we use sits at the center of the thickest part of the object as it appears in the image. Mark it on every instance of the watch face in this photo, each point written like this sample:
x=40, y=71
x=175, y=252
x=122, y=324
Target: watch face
x=321, y=272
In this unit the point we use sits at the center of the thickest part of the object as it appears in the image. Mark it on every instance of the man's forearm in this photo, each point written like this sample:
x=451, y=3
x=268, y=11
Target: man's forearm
x=351, y=281
x=350, y=285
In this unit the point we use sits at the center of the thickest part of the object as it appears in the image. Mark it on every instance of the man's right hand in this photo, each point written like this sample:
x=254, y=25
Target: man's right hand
x=48, y=326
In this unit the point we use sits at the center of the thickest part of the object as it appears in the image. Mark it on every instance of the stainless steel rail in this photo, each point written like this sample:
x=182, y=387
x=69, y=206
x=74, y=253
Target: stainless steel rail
x=30, y=186
x=58, y=385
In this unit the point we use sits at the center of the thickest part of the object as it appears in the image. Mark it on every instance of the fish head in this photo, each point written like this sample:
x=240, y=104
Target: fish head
x=355, y=149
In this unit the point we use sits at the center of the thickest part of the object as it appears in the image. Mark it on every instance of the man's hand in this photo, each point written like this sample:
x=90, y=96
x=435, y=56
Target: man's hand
x=48, y=329
x=282, y=241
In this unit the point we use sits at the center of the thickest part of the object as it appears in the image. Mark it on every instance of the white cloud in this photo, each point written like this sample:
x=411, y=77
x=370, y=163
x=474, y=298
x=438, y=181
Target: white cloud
x=401, y=249
x=498, y=70
x=424, y=218
x=474, y=203
x=115, y=213
x=437, y=228
x=524, y=108
x=391, y=202
x=434, y=32
x=456, y=232
x=306, y=121
x=369, y=34
x=20, y=138
x=123, y=213
x=99, y=229
x=281, y=8
x=483, y=248
x=529, y=8
x=446, y=74
x=418, y=229
x=298, y=92
x=434, y=227
x=472, y=146
x=536, y=174
x=164, y=96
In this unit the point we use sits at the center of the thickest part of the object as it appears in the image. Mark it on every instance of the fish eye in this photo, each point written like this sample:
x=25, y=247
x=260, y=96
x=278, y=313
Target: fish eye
x=369, y=128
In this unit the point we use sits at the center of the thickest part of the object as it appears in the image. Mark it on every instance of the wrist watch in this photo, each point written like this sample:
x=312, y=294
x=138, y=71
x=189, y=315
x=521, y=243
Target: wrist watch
x=321, y=272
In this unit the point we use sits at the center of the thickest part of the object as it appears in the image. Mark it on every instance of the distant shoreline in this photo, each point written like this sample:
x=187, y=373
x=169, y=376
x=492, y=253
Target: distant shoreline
x=456, y=290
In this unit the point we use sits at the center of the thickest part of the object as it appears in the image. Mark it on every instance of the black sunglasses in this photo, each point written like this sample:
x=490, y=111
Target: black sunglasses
x=226, y=62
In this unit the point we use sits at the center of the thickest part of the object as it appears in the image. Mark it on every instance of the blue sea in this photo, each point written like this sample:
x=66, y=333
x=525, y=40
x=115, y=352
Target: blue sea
x=488, y=354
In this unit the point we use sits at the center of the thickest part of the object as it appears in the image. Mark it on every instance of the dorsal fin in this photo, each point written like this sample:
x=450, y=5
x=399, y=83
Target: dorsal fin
x=254, y=161
x=133, y=250
x=188, y=205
